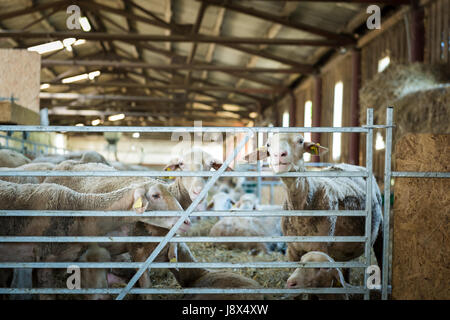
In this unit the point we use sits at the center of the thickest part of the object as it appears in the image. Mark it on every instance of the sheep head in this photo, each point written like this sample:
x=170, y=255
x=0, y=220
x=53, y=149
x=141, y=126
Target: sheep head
x=285, y=151
x=158, y=197
x=194, y=160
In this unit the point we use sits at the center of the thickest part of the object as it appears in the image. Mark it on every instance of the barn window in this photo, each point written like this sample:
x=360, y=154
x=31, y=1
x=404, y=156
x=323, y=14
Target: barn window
x=60, y=143
x=379, y=142
x=286, y=119
x=308, y=123
x=337, y=119
x=383, y=63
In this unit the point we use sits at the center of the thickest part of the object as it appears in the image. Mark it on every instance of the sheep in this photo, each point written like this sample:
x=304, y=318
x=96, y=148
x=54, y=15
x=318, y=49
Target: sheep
x=93, y=184
x=186, y=189
x=240, y=227
x=317, y=277
x=82, y=157
x=90, y=278
x=247, y=201
x=221, y=202
x=53, y=197
x=203, y=278
x=39, y=166
x=285, y=152
x=12, y=159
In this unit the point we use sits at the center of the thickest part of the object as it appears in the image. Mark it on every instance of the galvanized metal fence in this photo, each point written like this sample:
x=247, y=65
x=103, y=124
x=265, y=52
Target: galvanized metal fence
x=189, y=212
x=28, y=146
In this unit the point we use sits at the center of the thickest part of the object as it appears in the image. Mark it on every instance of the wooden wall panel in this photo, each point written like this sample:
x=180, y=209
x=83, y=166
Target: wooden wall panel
x=437, y=32
x=392, y=43
x=20, y=76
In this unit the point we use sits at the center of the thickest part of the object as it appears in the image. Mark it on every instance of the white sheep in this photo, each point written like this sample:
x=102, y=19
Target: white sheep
x=317, y=277
x=38, y=166
x=285, y=152
x=12, y=159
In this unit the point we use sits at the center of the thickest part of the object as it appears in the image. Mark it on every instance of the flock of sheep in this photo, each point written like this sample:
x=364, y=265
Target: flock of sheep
x=140, y=194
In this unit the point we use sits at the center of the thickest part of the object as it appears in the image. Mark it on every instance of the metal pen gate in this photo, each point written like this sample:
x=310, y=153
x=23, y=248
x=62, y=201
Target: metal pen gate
x=170, y=237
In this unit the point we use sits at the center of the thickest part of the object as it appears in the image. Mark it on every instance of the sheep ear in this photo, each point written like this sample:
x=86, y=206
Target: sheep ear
x=314, y=148
x=216, y=164
x=210, y=205
x=173, y=165
x=259, y=154
x=140, y=201
x=173, y=252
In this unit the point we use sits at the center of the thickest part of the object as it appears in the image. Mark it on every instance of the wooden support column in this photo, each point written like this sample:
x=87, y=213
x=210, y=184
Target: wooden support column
x=317, y=107
x=354, y=107
x=417, y=34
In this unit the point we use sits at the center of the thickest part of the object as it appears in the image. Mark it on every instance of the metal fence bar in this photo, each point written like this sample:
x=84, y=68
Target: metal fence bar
x=387, y=204
x=177, y=129
x=84, y=239
x=352, y=290
x=188, y=265
x=405, y=174
x=368, y=223
x=186, y=214
x=13, y=173
x=271, y=213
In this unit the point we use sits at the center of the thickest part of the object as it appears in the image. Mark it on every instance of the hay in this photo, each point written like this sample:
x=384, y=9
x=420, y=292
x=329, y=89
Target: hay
x=421, y=220
x=419, y=93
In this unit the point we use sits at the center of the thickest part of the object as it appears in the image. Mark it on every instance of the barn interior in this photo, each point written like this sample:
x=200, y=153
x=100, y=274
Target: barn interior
x=243, y=64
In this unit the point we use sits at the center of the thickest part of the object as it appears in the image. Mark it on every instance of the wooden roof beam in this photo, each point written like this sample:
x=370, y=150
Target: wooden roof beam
x=291, y=23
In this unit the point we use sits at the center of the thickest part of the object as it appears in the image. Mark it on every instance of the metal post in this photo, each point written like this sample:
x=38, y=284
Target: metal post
x=387, y=202
x=272, y=193
x=369, y=149
x=185, y=214
x=259, y=179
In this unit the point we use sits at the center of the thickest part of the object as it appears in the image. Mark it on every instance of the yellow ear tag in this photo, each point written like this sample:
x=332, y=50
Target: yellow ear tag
x=138, y=203
x=168, y=169
x=174, y=259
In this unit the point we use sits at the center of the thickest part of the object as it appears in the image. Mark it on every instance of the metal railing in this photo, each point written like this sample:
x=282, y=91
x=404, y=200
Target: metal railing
x=29, y=147
x=213, y=177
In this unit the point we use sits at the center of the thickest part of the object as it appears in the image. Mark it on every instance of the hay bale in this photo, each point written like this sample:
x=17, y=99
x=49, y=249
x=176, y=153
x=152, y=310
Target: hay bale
x=415, y=90
x=423, y=112
x=421, y=220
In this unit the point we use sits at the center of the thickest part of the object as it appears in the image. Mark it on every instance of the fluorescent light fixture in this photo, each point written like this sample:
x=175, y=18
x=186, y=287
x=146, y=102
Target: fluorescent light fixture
x=47, y=47
x=116, y=117
x=93, y=74
x=253, y=115
x=79, y=125
x=308, y=123
x=201, y=106
x=136, y=135
x=85, y=25
x=286, y=119
x=383, y=63
x=228, y=114
x=45, y=86
x=379, y=142
x=231, y=107
x=96, y=122
x=68, y=42
x=83, y=76
x=79, y=41
x=337, y=119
